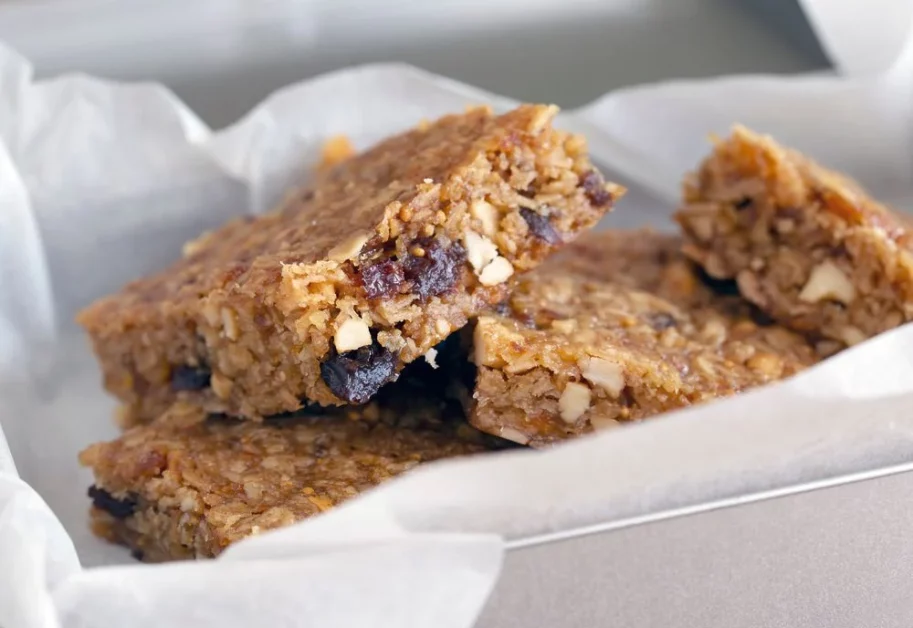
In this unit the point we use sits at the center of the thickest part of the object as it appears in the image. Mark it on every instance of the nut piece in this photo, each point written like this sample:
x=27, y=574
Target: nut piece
x=480, y=251
x=485, y=325
x=565, y=325
x=514, y=435
x=542, y=118
x=220, y=385
x=604, y=373
x=601, y=423
x=852, y=335
x=498, y=271
x=442, y=326
x=348, y=248
x=574, y=401
x=766, y=364
x=230, y=324
x=828, y=282
x=431, y=357
x=486, y=214
x=351, y=334
x=750, y=287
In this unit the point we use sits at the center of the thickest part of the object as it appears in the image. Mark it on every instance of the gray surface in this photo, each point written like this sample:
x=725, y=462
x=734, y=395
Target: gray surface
x=835, y=557
x=222, y=60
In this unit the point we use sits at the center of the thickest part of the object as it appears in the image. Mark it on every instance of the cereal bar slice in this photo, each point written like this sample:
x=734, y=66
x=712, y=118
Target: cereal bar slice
x=808, y=246
x=184, y=487
x=618, y=327
x=377, y=261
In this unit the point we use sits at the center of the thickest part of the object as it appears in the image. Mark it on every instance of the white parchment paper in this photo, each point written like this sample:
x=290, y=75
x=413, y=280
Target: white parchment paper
x=102, y=182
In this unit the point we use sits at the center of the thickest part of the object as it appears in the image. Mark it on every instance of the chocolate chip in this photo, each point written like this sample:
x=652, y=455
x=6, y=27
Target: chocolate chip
x=382, y=279
x=117, y=508
x=540, y=226
x=661, y=320
x=437, y=271
x=356, y=376
x=594, y=186
x=137, y=553
x=190, y=378
x=743, y=203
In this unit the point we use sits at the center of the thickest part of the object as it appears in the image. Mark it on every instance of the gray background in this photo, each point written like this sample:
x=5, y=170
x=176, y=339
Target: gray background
x=223, y=56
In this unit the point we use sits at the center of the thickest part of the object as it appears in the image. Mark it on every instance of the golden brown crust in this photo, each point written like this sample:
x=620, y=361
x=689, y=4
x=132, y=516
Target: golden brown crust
x=395, y=248
x=182, y=487
x=807, y=245
x=618, y=327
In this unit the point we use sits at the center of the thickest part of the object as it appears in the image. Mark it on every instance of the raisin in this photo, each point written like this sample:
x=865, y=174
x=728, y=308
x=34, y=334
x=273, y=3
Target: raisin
x=437, y=271
x=117, y=508
x=356, y=376
x=594, y=186
x=540, y=226
x=382, y=279
x=661, y=320
x=190, y=378
x=743, y=203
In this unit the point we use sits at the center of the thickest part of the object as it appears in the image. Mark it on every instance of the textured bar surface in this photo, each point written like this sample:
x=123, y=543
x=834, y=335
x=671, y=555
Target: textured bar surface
x=807, y=245
x=618, y=327
x=356, y=275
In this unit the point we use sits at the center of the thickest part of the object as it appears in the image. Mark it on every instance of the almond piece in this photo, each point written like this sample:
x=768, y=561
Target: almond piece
x=351, y=334
x=574, y=401
x=827, y=281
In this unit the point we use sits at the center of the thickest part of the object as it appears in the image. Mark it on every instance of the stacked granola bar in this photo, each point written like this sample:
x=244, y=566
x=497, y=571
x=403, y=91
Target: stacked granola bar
x=430, y=298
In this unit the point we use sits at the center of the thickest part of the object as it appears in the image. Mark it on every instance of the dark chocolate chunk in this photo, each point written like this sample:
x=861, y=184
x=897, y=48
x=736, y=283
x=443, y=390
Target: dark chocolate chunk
x=437, y=271
x=356, y=376
x=540, y=226
x=382, y=279
x=661, y=320
x=594, y=186
x=117, y=508
x=190, y=378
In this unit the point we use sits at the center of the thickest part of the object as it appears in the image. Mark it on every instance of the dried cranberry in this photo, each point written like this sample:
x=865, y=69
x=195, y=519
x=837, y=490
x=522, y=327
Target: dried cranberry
x=382, y=279
x=190, y=378
x=117, y=508
x=356, y=376
x=594, y=186
x=540, y=226
x=437, y=271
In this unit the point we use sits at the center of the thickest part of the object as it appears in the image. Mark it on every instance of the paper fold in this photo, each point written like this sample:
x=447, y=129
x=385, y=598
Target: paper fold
x=102, y=182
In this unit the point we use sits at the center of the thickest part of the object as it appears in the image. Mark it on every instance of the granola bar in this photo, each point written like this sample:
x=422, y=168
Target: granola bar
x=618, y=327
x=356, y=275
x=184, y=487
x=806, y=245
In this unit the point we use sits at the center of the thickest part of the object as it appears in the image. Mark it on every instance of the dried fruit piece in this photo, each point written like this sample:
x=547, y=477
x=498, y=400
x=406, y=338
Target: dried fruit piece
x=540, y=226
x=190, y=378
x=357, y=375
x=437, y=271
x=117, y=508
